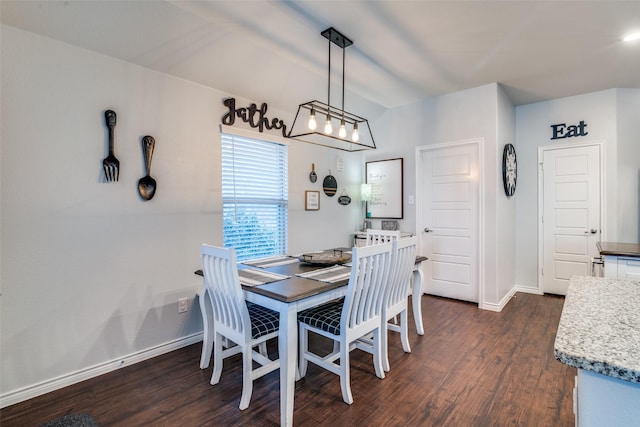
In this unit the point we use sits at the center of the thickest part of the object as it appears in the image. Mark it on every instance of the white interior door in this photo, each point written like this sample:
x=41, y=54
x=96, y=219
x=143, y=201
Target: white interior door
x=571, y=214
x=448, y=220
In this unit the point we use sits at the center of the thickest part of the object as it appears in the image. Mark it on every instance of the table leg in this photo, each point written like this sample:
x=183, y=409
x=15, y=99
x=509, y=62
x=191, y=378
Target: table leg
x=288, y=352
x=417, y=299
x=207, y=328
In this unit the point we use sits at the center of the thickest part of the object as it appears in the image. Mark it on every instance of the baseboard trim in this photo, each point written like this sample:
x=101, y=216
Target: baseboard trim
x=503, y=302
x=53, y=384
x=529, y=290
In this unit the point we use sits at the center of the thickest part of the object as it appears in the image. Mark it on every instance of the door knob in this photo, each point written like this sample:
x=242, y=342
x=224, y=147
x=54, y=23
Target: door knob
x=427, y=230
x=592, y=231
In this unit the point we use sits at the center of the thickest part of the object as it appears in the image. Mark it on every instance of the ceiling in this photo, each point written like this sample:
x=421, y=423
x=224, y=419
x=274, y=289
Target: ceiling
x=403, y=51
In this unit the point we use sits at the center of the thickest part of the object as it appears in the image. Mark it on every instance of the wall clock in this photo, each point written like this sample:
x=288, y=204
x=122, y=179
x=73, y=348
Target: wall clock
x=509, y=169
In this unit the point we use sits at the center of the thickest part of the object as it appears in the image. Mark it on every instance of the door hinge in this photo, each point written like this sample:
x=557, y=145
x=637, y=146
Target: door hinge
x=542, y=271
x=541, y=165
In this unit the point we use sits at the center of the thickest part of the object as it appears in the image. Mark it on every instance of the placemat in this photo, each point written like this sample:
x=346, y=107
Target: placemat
x=255, y=277
x=271, y=261
x=328, y=274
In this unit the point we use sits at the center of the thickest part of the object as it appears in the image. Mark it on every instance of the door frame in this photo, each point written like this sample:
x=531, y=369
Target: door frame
x=603, y=177
x=479, y=145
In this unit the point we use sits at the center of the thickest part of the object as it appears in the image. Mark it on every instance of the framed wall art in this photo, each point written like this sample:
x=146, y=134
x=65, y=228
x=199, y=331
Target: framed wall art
x=311, y=200
x=387, y=186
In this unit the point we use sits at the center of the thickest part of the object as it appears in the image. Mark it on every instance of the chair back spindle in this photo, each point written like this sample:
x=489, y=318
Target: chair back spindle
x=375, y=237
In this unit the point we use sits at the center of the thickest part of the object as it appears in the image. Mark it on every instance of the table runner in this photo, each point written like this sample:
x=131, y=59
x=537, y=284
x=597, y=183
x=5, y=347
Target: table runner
x=255, y=277
x=328, y=274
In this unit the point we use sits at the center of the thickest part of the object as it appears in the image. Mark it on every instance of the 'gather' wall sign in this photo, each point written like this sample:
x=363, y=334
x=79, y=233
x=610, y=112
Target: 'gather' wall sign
x=561, y=130
x=256, y=117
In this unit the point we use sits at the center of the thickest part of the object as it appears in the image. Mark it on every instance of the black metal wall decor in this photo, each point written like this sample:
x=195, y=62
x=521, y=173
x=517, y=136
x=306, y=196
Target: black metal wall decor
x=561, y=130
x=256, y=117
x=111, y=165
x=146, y=184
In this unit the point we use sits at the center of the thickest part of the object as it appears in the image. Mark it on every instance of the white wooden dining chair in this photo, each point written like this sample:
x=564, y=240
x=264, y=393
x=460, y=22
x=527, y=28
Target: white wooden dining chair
x=381, y=236
x=245, y=324
x=396, y=300
x=348, y=319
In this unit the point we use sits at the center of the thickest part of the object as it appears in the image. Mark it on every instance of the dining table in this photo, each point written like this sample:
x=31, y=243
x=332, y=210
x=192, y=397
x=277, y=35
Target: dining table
x=288, y=297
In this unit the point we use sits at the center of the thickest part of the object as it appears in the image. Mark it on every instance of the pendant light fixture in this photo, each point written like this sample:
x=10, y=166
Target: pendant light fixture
x=349, y=136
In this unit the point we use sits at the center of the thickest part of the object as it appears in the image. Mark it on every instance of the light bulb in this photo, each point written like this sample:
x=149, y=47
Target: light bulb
x=312, y=120
x=631, y=37
x=355, y=136
x=328, y=128
x=343, y=130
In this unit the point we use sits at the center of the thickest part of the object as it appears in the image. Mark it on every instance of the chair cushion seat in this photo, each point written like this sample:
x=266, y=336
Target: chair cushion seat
x=325, y=317
x=263, y=320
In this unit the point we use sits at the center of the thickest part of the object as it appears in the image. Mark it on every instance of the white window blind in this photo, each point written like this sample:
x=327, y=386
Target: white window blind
x=254, y=196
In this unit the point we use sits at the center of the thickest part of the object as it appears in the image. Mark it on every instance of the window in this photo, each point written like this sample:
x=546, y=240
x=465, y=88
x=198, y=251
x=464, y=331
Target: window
x=254, y=196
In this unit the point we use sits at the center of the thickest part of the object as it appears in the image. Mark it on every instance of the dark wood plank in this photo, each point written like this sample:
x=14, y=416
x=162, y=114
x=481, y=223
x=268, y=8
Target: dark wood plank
x=472, y=367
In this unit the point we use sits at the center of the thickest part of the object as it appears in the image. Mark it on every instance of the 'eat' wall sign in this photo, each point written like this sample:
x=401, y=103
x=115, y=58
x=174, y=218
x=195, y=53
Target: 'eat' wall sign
x=561, y=130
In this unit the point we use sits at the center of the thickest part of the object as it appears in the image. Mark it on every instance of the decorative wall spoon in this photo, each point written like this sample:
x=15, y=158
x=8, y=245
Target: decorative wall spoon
x=146, y=184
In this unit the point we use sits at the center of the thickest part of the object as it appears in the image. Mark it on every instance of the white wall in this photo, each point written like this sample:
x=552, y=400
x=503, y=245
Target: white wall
x=611, y=116
x=628, y=165
x=91, y=274
x=483, y=112
x=505, y=261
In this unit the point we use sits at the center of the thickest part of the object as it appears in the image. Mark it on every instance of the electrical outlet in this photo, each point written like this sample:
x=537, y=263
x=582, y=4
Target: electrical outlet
x=183, y=306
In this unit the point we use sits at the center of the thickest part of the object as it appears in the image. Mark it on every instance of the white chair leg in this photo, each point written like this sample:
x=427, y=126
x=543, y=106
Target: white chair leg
x=262, y=348
x=416, y=300
x=345, y=380
x=205, y=357
x=377, y=353
x=303, y=345
x=207, y=332
x=404, y=331
x=247, y=380
x=217, y=359
x=384, y=346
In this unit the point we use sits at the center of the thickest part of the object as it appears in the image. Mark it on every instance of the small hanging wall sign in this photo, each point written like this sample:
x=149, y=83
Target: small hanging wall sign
x=330, y=185
x=313, y=177
x=344, y=198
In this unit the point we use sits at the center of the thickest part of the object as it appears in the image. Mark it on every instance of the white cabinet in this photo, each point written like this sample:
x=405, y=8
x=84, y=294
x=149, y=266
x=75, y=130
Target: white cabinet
x=600, y=400
x=619, y=267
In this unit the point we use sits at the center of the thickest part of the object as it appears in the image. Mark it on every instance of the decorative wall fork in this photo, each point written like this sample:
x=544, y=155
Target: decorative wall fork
x=110, y=164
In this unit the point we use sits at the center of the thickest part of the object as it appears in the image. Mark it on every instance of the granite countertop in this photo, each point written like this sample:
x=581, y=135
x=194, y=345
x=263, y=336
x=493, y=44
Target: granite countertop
x=619, y=249
x=599, y=328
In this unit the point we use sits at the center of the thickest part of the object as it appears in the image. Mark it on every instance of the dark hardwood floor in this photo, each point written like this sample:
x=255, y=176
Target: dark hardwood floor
x=471, y=368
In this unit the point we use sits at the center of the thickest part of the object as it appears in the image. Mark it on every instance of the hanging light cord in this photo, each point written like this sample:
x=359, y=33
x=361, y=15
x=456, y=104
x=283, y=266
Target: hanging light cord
x=329, y=80
x=343, y=56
